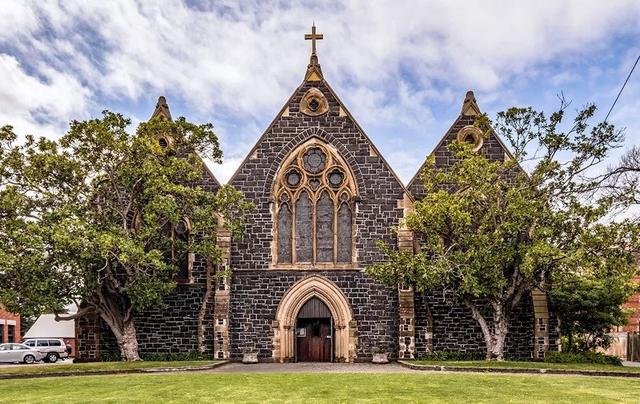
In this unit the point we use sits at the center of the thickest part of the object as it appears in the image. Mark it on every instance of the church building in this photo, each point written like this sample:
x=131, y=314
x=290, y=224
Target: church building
x=324, y=196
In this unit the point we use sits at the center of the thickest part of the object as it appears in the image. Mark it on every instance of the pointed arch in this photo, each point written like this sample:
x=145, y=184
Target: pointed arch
x=319, y=187
x=294, y=299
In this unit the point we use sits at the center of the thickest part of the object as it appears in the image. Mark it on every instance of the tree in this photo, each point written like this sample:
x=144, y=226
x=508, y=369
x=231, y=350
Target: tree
x=90, y=218
x=489, y=232
x=589, y=308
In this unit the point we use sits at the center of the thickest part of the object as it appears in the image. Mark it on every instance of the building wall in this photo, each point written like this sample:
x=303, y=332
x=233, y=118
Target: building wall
x=452, y=328
x=257, y=290
x=255, y=296
x=9, y=321
x=633, y=325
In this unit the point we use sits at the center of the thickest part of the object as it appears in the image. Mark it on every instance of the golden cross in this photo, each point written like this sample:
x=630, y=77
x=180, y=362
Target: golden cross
x=313, y=37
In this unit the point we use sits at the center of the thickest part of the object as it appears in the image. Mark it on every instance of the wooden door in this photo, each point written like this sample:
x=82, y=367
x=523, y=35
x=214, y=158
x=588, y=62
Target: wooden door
x=314, y=340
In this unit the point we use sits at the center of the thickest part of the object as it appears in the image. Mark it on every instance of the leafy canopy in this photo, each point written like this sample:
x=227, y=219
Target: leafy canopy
x=89, y=217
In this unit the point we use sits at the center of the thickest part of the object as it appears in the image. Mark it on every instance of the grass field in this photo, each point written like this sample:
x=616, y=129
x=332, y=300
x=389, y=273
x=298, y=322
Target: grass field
x=94, y=366
x=322, y=387
x=528, y=365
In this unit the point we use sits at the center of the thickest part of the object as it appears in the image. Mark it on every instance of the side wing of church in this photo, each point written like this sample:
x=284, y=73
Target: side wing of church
x=324, y=197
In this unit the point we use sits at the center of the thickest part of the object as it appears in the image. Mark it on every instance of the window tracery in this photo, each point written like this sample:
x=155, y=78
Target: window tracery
x=314, y=209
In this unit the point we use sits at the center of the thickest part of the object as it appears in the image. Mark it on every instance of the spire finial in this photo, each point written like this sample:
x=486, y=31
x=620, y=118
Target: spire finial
x=469, y=106
x=313, y=37
x=162, y=108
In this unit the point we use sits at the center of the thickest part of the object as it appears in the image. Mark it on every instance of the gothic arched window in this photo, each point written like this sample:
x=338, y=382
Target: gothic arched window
x=314, y=210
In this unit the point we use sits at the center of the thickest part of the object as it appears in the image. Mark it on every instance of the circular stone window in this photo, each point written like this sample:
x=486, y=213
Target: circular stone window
x=293, y=178
x=335, y=178
x=471, y=135
x=314, y=103
x=314, y=160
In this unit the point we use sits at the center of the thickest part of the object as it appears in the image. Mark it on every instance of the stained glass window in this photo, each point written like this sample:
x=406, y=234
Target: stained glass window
x=314, y=216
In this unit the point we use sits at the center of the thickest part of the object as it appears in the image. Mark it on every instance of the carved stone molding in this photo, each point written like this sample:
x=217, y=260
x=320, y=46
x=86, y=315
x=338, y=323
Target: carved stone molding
x=314, y=103
x=471, y=134
x=286, y=315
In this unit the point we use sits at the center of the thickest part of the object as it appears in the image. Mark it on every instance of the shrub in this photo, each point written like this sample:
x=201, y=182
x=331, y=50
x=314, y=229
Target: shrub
x=171, y=357
x=455, y=356
x=158, y=357
x=582, y=357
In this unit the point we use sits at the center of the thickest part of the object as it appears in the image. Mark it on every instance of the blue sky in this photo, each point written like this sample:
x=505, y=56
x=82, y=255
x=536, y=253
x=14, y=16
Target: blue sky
x=402, y=68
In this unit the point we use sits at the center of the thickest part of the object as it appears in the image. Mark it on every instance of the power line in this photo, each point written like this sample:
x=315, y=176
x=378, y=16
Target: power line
x=620, y=92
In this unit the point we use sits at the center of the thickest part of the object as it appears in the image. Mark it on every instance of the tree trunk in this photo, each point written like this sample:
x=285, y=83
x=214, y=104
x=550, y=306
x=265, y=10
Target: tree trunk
x=494, y=335
x=128, y=342
x=123, y=328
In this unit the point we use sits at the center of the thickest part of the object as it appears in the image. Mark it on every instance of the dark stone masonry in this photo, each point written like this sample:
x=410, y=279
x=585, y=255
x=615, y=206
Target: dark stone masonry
x=255, y=311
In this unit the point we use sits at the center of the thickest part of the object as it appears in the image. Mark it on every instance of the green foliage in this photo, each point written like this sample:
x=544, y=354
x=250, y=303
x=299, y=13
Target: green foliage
x=158, y=357
x=454, y=356
x=582, y=357
x=492, y=232
x=589, y=308
x=89, y=217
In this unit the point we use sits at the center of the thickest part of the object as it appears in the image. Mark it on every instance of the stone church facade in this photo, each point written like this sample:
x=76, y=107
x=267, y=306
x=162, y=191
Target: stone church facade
x=324, y=196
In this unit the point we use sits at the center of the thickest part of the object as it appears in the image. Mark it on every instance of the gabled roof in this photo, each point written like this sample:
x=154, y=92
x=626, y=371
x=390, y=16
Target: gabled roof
x=46, y=326
x=162, y=110
x=468, y=114
x=314, y=74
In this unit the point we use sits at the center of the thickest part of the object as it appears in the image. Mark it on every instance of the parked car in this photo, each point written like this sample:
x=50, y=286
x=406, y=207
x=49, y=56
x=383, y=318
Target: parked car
x=51, y=349
x=19, y=353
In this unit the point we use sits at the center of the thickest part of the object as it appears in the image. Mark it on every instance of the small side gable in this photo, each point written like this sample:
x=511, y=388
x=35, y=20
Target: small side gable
x=492, y=147
x=162, y=111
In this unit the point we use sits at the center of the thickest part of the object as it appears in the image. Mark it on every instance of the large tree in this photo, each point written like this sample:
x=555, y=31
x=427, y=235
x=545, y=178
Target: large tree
x=91, y=218
x=490, y=232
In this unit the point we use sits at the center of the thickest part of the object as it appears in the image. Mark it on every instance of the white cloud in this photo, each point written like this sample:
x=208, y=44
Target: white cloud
x=235, y=63
x=39, y=105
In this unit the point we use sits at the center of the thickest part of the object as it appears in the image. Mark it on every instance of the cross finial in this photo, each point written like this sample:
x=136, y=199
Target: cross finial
x=313, y=37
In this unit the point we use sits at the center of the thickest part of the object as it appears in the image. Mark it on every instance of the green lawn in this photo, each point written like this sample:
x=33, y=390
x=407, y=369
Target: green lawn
x=322, y=387
x=95, y=366
x=527, y=365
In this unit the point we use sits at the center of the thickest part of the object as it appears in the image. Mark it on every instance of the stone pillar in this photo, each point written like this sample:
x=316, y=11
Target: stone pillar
x=541, y=326
x=406, y=308
x=221, y=343
x=87, y=338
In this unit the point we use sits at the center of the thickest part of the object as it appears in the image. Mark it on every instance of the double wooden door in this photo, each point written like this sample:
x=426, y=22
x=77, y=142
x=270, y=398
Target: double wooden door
x=314, y=340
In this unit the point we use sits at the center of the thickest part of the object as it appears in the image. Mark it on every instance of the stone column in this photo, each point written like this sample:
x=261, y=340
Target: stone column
x=541, y=330
x=221, y=343
x=406, y=308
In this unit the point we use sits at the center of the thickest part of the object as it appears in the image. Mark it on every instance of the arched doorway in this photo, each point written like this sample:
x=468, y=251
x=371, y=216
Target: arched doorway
x=344, y=338
x=314, y=332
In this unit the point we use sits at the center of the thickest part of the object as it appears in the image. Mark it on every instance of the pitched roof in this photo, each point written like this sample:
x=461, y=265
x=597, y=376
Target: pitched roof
x=46, y=326
x=162, y=110
x=314, y=74
x=468, y=114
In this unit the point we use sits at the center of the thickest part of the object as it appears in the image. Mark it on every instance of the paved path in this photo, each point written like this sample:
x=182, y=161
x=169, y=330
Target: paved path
x=235, y=367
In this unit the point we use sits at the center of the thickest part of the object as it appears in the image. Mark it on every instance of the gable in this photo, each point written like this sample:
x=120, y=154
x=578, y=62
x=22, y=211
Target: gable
x=162, y=111
x=315, y=111
x=492, y=147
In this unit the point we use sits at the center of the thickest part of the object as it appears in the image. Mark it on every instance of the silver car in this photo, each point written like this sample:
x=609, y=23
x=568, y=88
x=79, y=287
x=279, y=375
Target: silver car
x=19, y=353
x=52, y=349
